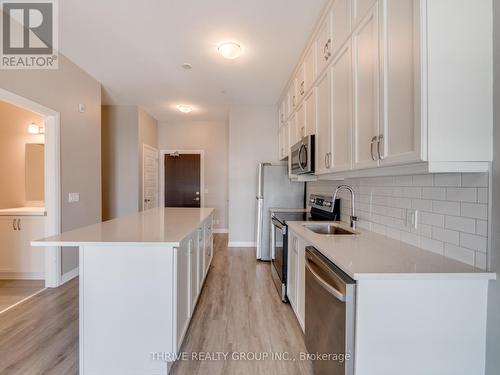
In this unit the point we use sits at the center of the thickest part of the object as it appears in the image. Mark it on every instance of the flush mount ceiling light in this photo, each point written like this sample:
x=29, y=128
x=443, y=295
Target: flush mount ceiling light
x=184, y=108
x=187, y=66
x=229, y=50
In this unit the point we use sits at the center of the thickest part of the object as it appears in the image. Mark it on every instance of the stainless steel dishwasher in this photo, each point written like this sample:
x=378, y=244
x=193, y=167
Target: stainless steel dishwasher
x=329, y=316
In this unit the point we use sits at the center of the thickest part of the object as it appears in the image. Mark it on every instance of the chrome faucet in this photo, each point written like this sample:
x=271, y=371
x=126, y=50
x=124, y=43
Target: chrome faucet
x=354, y=218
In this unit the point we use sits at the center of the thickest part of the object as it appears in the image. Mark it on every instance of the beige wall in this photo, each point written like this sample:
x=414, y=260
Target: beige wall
x=253, y=138
x=34, y=186
x=14, y=136
x=212, y=137
x=148, y=135
x=62, y=90
x=124, y=130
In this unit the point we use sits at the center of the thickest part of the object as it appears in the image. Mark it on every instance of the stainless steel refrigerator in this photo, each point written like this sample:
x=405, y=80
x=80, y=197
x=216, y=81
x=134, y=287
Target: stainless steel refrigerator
x=274, y=190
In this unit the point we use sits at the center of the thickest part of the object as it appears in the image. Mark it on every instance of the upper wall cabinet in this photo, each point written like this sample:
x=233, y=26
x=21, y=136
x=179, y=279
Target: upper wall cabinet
x=399, y=83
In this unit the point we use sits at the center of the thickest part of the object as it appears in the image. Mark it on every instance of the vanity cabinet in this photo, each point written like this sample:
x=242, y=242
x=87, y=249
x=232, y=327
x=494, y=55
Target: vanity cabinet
x=17, y=258
x=397, y=86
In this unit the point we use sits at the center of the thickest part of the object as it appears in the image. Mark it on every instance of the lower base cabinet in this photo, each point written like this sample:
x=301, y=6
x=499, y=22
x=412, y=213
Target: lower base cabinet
x=296, y=276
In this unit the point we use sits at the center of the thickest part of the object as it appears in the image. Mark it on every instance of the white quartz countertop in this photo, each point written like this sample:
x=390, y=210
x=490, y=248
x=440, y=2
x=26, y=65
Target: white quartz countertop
x=368, y=255
x=167, y=226
x=23, y=211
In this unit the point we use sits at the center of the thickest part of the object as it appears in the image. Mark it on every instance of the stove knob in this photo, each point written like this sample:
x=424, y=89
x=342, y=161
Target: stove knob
x=328, y=204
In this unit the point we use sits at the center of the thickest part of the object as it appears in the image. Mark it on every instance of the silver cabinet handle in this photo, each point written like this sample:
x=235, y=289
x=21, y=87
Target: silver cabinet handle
x=293, y=101
x=19, y=224
x=14, y=224
x=380, y=140
x=302, y=88
x=326, y=49
x=303, y=131
x=374, y=139
x=327, y=160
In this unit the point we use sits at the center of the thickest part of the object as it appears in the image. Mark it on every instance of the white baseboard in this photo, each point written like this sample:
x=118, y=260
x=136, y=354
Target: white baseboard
x=9, y=275
x=69, y=275
x=242, y=244
x=221, y=230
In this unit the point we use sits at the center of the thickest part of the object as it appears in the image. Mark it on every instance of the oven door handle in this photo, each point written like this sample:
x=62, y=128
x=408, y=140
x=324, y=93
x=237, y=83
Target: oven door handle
x=334, y=292
x=278, y=225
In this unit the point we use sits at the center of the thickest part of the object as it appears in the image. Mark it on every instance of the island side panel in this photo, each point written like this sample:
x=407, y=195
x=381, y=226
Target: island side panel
x=414, y=327
x=126, y=308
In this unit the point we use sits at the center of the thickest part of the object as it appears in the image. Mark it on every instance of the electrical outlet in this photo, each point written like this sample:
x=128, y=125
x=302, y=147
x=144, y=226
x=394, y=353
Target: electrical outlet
x=73, y=197
x=411, y=220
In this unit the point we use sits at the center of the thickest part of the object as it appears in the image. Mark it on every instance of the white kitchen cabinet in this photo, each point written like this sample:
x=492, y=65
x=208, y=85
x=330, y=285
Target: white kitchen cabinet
x=310, y=115
x=292, y=99
x=293, y=134
x=324, y=45
x=310, y=67
x=300, y=84
x=341, y=23
x=300, y=122
x=365, y=45
x=17, y=258
x=283, y=142
x=323, y=123
x=341, y=152
x=183, y=268
x=193, y=272
x=292, y=270
x=209, y=244
x=360, y=8
x=201, y=258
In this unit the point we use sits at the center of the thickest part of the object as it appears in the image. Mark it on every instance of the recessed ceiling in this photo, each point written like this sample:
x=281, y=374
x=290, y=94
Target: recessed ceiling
x=137, y=49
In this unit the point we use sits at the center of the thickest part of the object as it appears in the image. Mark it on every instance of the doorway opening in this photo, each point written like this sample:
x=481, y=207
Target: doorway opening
x=182, y=178
x=29, y=198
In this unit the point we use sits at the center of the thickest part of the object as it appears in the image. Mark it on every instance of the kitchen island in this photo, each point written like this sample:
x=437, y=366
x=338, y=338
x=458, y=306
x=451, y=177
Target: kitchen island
x=140, y=278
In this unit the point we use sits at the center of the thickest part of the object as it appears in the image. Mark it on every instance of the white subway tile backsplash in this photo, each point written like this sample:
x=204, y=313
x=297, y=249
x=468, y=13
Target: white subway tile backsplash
x=459, y=253
x=434, y=193
x=474, y=242
x=446, y=208
x=446, y=235
x=461, y=194
x=474, y=210
x=452, y=211
x=475, y=180
x=453, y=179
x=461, y=224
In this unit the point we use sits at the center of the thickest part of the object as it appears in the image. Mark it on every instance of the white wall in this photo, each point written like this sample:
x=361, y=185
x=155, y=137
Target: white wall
x=253, y=136
x=212, y=137
x=493, y=327
x=62, y=90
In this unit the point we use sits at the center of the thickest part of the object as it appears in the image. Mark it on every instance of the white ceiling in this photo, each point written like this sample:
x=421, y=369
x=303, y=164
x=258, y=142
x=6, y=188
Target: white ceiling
x=136, y=48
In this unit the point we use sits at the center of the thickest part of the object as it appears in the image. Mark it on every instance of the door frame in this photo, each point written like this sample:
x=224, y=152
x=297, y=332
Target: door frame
x=161, y=163
x=150, y=148
x=53, y=270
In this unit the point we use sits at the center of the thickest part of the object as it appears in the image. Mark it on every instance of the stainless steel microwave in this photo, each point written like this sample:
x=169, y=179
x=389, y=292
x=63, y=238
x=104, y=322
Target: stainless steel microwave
x=302, y=156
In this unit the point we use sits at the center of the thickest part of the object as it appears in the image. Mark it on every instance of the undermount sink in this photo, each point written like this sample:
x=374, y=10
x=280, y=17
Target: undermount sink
x=328, y=229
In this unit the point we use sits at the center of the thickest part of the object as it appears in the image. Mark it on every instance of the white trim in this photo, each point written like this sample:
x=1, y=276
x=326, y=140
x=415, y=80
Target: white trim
x=242, y=244
x=21, y=301
x=161, y=163
x=70, y=275
x=220, y=230
x=52, y=180
x=150, y=148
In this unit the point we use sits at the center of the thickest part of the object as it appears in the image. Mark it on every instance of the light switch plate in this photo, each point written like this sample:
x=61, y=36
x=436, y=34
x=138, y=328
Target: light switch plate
x=82, y=108
x=73, y=197
x=411, y=220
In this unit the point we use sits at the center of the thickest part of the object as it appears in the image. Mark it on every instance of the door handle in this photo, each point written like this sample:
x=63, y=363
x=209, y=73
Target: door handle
x=380, y=140
x=196, y=199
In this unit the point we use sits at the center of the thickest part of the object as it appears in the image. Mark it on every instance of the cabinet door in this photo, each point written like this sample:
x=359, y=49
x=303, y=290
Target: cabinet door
x=323, y=123
x=300, y=121
x=201, y=258
x=342, y=110
x=8, y=244
x=399, y=139
x=301, y=282
x=292, y=270
x=341, y=23
x=365, y=44
x=209, y=243
x=183, y=290
x=293, y=135
x=324, y=45
x=193, y=271
x=31, y=259
x=359, y=10
x=300, y=83
x=292, y=99
x=310, y=109
x=310, y=67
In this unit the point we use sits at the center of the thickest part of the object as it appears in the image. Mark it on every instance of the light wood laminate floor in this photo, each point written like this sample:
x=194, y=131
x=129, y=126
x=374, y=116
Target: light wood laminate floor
x=238, y=311
x=14, y=291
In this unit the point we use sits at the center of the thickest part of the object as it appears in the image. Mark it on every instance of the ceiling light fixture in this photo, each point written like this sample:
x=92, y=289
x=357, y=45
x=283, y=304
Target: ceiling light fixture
x=187, y=66
x=229, y=50
x=184, y=108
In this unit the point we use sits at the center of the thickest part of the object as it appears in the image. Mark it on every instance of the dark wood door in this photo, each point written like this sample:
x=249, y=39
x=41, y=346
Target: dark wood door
x=182, y=180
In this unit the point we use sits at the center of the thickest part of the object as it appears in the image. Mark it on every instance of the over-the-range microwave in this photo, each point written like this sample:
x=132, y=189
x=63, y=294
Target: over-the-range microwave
x=302, y=156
